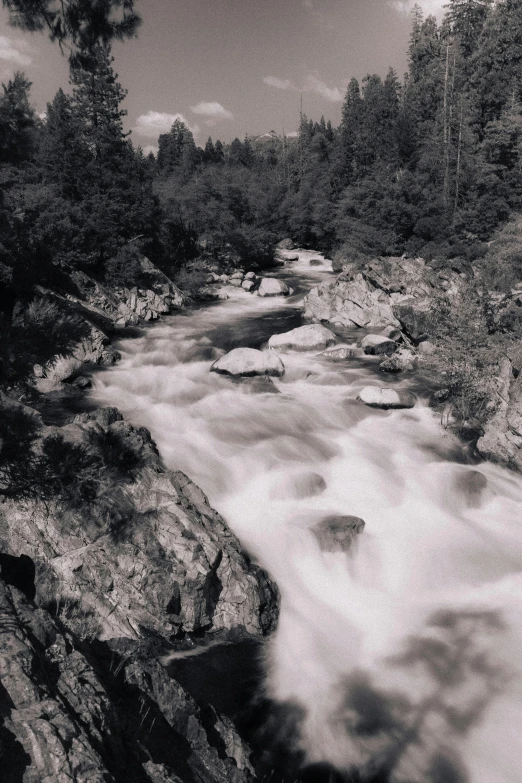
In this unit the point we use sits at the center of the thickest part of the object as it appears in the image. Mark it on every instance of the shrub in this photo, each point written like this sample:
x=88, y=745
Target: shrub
x=124, y=269
x=39, y=331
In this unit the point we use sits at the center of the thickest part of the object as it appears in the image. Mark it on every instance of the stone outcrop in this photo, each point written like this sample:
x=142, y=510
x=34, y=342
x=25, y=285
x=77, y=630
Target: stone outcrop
x=502, y=438
x=160, y=560
x=394, y=292
x=103, y=312
x=87, y=712
x=248, y=362
x=312, y=337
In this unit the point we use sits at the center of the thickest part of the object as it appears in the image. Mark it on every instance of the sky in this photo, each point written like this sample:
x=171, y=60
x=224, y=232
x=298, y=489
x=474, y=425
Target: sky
x=232, y=67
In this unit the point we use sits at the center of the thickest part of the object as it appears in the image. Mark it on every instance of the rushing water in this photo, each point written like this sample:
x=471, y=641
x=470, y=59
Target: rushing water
x=405, y=654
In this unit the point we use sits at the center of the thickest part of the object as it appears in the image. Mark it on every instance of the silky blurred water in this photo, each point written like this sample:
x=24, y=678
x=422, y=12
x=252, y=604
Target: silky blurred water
x=405, y=654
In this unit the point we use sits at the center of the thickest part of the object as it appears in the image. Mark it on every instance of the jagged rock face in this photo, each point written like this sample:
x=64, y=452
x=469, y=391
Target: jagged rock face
x=171, y=566
x=502, y=438
x=74, y=712
x=349, y=303
x=374, y=295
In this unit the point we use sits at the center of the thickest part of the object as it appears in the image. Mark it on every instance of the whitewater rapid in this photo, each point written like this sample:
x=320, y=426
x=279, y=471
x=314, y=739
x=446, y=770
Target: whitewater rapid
x=404, y=654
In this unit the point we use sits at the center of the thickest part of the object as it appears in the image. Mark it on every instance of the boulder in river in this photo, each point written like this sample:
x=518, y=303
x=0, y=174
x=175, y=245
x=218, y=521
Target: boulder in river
x=247, y=362
x=285, y=244
x=271, y=286
x=247, y=285
x=378, y=344
x=336, y=533
x=312, y=337
x=376, y=397
x=342, y=352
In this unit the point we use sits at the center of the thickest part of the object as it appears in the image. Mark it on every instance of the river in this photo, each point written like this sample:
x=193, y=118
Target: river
x=403, y=658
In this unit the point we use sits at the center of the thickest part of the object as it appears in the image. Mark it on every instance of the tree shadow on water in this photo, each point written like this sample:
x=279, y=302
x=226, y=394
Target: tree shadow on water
x=412, y=736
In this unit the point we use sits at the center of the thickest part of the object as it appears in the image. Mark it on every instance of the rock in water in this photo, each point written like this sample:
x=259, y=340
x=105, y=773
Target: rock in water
x=271, y=286
x=376, y=397
x=285, y=244
x=312, y=337
x=335, y=534
x=248, y=362
x=340, y=353
x=377, y=344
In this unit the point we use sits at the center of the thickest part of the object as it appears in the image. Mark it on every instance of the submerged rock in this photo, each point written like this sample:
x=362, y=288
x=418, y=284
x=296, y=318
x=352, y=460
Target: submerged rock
x=336, y=533
x=271, y=286
x=249, y=362
x=376, y=397
x=312, y=337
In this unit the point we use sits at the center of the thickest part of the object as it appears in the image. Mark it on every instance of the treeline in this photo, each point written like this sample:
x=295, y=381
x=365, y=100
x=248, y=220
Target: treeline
x=428, y=165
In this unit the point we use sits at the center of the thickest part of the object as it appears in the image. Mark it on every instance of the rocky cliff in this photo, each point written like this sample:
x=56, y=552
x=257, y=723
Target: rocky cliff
x=76, y=711
x=104, y=574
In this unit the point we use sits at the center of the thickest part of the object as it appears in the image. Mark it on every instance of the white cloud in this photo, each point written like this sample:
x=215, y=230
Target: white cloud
x=151, y=124
x=279, y=84
x=405, y=7
x=10, y=51
x=212, y=109
x=314, y=84
x=148, y=148
x=292, y=135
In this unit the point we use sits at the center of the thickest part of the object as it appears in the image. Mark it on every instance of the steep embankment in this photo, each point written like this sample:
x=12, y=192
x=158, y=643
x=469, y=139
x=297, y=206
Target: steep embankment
x=122, y=568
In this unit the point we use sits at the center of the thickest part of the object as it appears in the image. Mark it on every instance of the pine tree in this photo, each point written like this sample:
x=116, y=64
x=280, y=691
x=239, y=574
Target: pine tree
x=77, y=25
x=17, y=121
x=350, y=131
x=467, y=19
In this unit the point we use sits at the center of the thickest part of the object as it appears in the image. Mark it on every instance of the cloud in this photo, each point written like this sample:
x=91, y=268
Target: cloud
x=279, y=84
x=314, y=84
x=212, y=109
x=10, y=52
x=148, y=148
x=151, y=124
x=404, y=7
